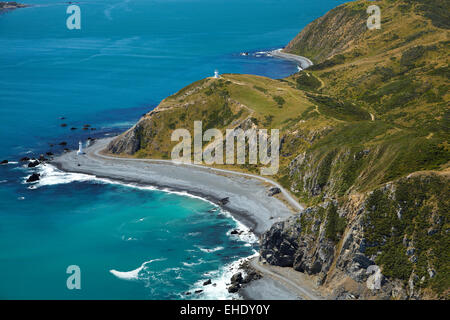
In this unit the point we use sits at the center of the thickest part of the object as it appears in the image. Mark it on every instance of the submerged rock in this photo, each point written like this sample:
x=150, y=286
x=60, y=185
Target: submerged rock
x=4, y=162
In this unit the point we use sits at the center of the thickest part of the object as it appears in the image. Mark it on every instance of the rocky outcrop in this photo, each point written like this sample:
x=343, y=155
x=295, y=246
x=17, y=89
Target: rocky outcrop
x=280, y=244
x=224, y=201
x=33, y=178
x=33, y=164
x=273, y=191
x=138, y=136
x=329, y=35
x=359, y=260
x=207, y=282
x=236, y=281
x=127, y=143
x=243, y=277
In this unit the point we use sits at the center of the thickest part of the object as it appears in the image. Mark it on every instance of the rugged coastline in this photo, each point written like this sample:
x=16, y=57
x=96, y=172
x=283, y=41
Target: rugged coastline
x=354, y=148
x=245, y=197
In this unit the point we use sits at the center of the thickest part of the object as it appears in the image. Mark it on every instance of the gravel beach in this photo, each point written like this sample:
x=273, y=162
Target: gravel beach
x=248, y=197
x=302, y=61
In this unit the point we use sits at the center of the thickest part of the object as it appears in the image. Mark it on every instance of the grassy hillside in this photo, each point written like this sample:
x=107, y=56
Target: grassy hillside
x=374, y=109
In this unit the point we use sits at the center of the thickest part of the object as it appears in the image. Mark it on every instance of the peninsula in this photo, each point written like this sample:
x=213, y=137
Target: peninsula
x=363, y=148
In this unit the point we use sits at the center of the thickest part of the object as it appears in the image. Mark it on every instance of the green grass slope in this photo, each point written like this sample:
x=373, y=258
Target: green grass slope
x=373, y=110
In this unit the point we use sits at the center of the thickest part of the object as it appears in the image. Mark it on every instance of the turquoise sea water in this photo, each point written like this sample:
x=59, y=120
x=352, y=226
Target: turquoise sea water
x=130, y=243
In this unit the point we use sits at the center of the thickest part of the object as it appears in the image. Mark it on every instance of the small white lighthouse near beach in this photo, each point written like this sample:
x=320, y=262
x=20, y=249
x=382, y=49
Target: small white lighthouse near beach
x=80, y=148
x=216, y=74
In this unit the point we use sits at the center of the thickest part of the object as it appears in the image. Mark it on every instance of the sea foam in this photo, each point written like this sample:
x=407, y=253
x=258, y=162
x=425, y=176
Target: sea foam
x=132, y=275
x=220, y=279
x=50, y=175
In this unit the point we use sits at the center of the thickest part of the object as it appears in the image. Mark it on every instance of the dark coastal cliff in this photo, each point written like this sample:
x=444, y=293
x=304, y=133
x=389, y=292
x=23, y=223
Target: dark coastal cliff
x=364, y=144
x=389, y=243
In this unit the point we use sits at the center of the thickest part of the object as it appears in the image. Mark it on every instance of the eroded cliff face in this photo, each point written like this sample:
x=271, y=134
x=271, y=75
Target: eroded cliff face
x=137, y=137
x=391, y=243
x=331, y=34
x=129, y=143
x=364, y=144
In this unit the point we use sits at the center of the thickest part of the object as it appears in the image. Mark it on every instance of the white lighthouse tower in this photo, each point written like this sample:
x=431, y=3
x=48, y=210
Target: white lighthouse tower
x=216, y=74
x=80, y=148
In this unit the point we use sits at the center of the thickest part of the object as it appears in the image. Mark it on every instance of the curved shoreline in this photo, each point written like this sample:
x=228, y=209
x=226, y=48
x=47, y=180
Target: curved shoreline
x=248, y=199
x=248, y=202
x=302, y=61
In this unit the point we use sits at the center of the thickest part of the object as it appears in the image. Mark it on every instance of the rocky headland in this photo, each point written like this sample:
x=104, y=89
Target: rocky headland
x=363, y=146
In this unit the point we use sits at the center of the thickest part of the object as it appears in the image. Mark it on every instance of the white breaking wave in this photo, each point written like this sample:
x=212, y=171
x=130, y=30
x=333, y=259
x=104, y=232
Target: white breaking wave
x=124, y=238
x=194, y=234
x=187, y=264
x=246, y=235
x=133, y=274
x=10, y=162
x=49, y=175
x=220, y=279
x=209, y=250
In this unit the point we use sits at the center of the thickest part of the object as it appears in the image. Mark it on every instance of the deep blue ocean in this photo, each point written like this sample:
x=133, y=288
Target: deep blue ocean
x=129, y=242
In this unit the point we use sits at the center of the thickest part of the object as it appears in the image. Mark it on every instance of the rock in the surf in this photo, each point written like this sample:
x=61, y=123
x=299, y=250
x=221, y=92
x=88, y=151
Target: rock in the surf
x=34, y=177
